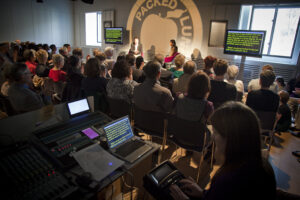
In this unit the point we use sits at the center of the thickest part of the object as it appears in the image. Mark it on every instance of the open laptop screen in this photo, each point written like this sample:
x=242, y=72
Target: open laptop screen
x=77, y=107
x=118, y=132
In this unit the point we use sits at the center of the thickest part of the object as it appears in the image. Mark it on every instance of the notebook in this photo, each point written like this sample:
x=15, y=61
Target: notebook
x=121, y=141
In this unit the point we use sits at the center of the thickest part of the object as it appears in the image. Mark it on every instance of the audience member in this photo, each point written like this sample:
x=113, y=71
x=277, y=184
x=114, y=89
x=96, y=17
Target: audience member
x=173, y=51
x=254, y=83
x=29, y=55
x=180, y=84
x=138, y=73
x=109, y=52
x=283, y=113
x=166, y=78
x=20, y=96
x=101, y=57
x=150, y=95
x=72, y=90
x=220, y=90
x=53, y=51
x=264, y=99
x=208, y=65
x=8, y=80
x=4, y=57
x=194, y=105
x=121, y=85
x=56, y=74
x=280, y=83
x=42, y=69
x=78, y=52
x=95, y=81
x=243, y=173
x=178, y=69
x=68, y=47
x=130, y=59
x=232, y=73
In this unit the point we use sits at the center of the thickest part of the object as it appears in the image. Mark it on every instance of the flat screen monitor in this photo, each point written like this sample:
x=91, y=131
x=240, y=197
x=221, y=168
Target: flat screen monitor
x=244, y=42
x=78, y=107
x=113, y=35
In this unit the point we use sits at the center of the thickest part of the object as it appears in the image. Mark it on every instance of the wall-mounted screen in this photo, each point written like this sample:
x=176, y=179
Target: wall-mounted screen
x=244, y=42
x=113, y=35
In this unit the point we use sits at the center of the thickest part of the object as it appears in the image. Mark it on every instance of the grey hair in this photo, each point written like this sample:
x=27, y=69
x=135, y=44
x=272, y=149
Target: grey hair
x=57, y=59
x=232, y=71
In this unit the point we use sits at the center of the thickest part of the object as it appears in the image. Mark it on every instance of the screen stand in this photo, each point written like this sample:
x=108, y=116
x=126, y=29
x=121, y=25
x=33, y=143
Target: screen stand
x=241, y=69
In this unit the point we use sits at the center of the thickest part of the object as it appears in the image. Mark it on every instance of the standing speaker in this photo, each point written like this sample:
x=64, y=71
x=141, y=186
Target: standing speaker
x=88, y=1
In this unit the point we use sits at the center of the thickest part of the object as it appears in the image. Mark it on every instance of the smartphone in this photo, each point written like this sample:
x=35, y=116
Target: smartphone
x=90, y=133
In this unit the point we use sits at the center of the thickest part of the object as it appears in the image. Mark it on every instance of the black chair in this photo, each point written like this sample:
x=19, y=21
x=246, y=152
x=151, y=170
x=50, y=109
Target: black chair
x=239, y=96
x=267, y=125
x=119, y=108
x=100, y=100
x=190, y=135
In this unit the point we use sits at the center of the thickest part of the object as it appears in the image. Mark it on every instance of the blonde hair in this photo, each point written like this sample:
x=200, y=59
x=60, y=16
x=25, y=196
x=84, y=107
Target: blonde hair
x=57, y=59
x=41, y=55
x=109, y=51
x=232, y=71
x=179, y=60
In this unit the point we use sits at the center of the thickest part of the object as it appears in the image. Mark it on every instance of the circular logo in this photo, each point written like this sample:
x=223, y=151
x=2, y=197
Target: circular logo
x=156, y=22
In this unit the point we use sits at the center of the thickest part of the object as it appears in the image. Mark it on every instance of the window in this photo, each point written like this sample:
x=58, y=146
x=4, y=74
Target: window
x=93, y=29
x=280, y=22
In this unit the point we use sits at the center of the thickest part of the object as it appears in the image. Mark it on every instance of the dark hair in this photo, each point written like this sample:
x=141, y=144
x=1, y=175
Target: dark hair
x=152, y=69
x=52, y=47
x=100, y=55
x=209, y=61
x=280, y=80
x=138, y=61
x=284, y=96
x=91, y=68
x=77, y=52
x=121, y=70
x=130, y=59
x=267, y=77
x=121, y=58
x=189, y=67
x=16, y=71
x=67, y=45
x=28, y=54
x=173, y=42
x=72, y=63
x=241, y=131
x=198, y=86
x=220, y=67
x=46, y=47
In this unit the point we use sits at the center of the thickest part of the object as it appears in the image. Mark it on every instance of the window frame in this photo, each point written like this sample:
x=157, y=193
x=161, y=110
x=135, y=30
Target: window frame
x=276, y=7
x=97, y=28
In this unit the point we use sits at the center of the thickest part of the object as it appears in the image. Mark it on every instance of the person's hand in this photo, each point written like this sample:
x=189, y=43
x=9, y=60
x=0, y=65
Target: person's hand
x=177, y=194
x=191, y=188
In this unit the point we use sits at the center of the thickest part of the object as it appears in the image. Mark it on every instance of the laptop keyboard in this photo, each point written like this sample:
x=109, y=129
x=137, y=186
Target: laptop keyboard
x=129, y=147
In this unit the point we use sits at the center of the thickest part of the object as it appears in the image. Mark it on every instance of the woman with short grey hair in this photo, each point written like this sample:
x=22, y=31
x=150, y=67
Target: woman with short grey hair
x=232, y=72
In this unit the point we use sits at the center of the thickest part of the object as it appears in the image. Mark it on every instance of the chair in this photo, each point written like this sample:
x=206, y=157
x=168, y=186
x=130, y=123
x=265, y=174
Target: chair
x=239, y=96
x=190, y=135
x=267, y=125
x=100, y=100
x=119, y=108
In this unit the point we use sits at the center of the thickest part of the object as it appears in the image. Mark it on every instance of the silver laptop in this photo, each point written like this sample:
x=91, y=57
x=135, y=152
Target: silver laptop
x=121, y=141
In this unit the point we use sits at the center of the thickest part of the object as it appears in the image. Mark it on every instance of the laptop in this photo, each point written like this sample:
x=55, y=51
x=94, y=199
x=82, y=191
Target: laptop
x=121, y=141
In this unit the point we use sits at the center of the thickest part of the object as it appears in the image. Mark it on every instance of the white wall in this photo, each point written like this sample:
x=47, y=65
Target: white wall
x=48, y=22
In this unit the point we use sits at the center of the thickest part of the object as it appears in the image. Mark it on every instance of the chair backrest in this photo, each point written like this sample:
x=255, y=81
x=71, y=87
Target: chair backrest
x=188, y=134
x=267, y=119
x=149, y=121
x=100, y=100
x=119, y=107
x=239, y=96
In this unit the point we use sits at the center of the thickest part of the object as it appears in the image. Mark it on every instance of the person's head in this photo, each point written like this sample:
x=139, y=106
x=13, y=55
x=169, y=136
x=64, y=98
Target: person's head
x=179, y=60
x=199, y=86
x=68, y=46
x=63, y=51
x=284, y=96
x=159, y=58
x=4, y=47
x=209, y=62
x=46, y=47
x=53, y=48
x=220, y=67
x=102, y=70
x=92, y=68
x=121, y=70
x=109, y=52
x=236, y=133
x=136, y=40
x=267, y=67
x=121, y=58
x=152, y=70
x=189, y=67
x=139, y=62
x=20, y=73
x=77, y=52
x=100, y=56
x=42, y=56
x=58, y=61
x=73, y=64
x=280, y=81
x=232, y=72
x=266, y=78
x=95, y=51
x=29, y=55
x=172, y=43
x=130, y=59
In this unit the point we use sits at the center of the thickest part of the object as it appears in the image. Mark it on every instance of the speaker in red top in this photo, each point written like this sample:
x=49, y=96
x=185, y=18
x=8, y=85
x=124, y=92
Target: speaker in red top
x=88, y=1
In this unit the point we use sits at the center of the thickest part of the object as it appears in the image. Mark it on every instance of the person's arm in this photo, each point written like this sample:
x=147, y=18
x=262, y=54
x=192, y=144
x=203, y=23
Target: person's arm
x=189, y=188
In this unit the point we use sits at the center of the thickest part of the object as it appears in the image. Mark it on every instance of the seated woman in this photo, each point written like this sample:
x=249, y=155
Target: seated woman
x=173, y=52
x=232, y=72
x=195, y=105
x=284, y=113
x=29, y=55
x=42, y=70
x=208, y=65
x=243, y=174
x=121, y=85
x=56, y=74
x=178, y=69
